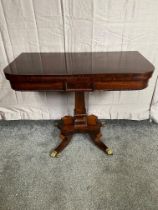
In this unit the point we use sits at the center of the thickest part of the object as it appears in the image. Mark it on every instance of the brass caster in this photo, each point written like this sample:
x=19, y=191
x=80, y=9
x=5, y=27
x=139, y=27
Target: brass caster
x=54, y=154
x=109, y=151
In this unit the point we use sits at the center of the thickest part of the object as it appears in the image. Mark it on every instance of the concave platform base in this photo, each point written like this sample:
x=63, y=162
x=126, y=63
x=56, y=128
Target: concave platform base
x=80, y=123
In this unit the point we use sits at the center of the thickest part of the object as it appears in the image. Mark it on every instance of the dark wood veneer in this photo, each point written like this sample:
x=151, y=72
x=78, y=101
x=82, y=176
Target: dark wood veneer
x=79, y=72
x=86, y=71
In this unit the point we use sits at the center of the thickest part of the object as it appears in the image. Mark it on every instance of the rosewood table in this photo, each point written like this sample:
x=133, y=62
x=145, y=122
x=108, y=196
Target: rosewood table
x=79, y=72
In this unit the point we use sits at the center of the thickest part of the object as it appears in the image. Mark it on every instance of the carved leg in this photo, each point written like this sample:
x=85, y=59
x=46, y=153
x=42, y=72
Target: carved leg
x=65, y=141
x=96, y=140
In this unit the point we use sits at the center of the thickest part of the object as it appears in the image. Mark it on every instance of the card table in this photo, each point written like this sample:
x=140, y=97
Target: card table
x=79, y=72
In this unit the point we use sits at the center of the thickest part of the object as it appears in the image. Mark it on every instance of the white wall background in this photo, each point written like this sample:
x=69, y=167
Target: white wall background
x=78, y=25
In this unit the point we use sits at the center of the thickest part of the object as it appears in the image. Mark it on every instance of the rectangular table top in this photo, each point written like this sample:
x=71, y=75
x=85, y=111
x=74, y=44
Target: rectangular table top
x=79, y=71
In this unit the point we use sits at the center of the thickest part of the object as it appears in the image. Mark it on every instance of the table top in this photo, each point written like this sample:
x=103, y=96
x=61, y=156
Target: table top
x=48, y=69
x=79, y=63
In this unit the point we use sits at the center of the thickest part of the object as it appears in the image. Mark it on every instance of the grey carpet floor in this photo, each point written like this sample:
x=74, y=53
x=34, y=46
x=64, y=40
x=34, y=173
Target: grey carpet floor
x=83, y=178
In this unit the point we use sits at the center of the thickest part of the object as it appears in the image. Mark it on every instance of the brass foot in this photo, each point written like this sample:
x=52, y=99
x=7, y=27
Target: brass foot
x=109, y=151
x=54, y=154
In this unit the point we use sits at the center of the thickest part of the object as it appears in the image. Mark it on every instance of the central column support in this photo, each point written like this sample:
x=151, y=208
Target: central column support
x=80, y=123
x=79, y=103
x=80, y=115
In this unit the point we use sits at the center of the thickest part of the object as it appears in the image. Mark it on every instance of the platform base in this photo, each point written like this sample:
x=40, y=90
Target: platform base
x=88, y=124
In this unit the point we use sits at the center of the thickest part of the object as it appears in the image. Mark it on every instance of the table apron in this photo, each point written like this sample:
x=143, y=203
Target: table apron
x=79, y=86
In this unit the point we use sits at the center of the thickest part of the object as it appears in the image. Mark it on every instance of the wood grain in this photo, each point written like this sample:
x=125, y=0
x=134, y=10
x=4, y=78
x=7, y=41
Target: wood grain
x=79, y=72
